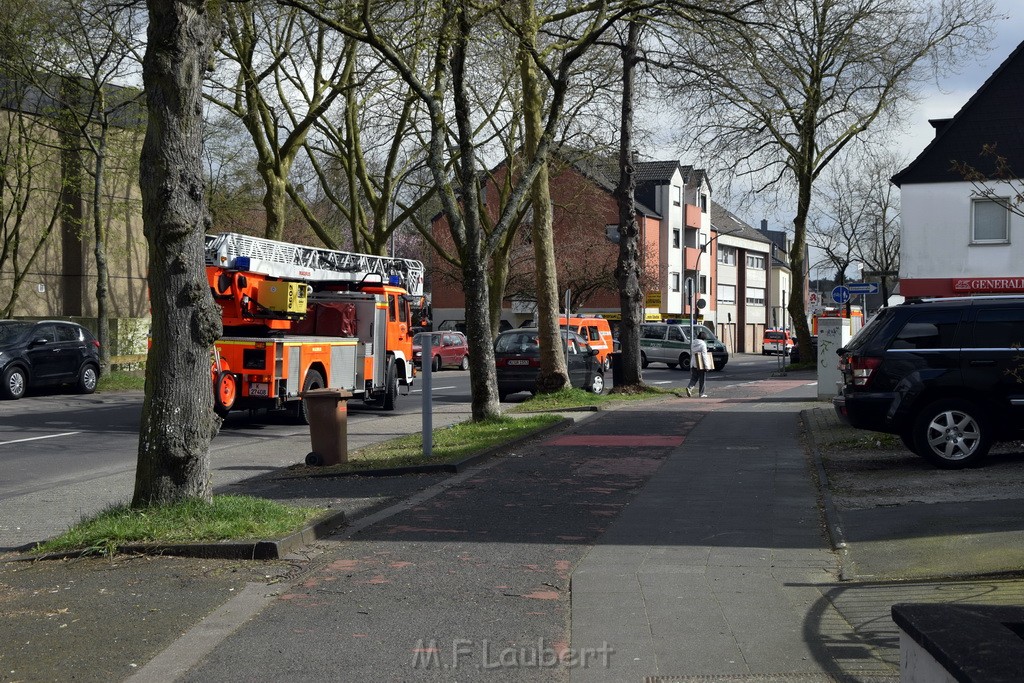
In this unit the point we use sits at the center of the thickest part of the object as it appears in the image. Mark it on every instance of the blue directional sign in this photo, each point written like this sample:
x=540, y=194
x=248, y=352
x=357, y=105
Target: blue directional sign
x=840, y=294
x=863, y=288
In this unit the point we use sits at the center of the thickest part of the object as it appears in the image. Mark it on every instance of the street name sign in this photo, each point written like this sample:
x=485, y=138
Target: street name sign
x=863, y=288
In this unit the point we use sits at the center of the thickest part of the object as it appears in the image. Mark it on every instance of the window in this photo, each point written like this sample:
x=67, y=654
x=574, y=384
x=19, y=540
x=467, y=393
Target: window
x=755, y=296
x=67, y=333
x=593, y=334
x=673, y=281
x=675, y=334
x=652, y=332
x=703, y=203
x=999, y=329
x=755, y=261
x=46, y=332
x=677, y=195
x=703, y=284
x=990, y=221
x=726, y=294
x=727, y=255
x=676, y=240
x=929, y=330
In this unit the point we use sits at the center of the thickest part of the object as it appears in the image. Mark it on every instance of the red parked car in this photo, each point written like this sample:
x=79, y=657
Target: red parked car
x=449, y=349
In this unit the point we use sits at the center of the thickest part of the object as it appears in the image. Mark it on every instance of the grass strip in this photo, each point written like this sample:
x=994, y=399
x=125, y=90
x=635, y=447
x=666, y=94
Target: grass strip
x=579, y=398
x=450, y=444
x=190, y=521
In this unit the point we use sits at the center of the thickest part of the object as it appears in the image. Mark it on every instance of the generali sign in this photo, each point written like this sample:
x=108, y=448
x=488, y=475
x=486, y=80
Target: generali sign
x=969, y=285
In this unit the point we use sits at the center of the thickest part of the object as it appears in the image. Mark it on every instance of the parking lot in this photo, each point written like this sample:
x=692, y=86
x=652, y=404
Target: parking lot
x=900, y=517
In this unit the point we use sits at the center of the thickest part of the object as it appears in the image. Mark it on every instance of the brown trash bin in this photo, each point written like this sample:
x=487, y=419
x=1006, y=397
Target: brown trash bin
x=327, y=410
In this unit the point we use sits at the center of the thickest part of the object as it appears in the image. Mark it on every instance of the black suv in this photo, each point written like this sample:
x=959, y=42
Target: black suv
x=48, y=352
x=946, y=375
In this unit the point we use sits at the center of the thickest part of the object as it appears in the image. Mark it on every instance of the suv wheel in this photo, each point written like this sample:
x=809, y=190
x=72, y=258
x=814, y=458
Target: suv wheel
x=87, y=379
x=15, y=381
x=952, y=433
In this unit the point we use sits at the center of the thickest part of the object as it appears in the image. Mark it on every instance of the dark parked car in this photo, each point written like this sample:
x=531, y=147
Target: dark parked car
x=449, y=349
x=946, y=375
x=46, y=353
x=517, y=360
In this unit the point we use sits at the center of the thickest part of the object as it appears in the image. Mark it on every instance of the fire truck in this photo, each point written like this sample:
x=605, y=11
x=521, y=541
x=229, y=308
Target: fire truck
x=298, y=318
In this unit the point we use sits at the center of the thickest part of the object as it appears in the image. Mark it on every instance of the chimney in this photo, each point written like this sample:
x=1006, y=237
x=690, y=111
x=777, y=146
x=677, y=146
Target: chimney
x=764, y=225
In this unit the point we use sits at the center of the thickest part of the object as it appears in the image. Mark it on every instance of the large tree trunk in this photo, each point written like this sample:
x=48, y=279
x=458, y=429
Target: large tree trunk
x=627, y=272
x=554, y=374
x=274, y=199
x=482, y=375
x=177, y=419
x=798, y=264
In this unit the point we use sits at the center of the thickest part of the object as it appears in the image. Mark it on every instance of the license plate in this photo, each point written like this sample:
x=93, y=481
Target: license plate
x=519, y=362
x=261, y=389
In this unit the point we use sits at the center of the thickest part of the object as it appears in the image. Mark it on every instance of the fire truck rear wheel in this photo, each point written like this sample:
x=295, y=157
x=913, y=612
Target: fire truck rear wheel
x=391, y=390
x=225, y=393
x=314, y=380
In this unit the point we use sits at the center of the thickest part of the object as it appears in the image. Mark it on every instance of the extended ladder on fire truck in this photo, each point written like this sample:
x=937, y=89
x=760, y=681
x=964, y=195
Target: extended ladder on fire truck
x=298, y=262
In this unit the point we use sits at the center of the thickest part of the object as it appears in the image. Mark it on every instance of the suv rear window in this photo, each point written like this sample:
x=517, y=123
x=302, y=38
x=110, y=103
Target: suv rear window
x=928, y=330
x=876, y=323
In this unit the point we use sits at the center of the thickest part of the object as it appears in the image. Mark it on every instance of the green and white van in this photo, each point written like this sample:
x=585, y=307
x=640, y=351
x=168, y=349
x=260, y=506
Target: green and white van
x=670, y=344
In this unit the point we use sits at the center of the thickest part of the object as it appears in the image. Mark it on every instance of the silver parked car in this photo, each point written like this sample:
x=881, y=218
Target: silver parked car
x=670, y=344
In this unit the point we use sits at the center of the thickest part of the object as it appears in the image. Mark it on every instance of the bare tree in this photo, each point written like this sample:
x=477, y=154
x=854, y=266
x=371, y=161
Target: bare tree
x=29, y=205
x=94, y=47
x=283, y=72
x=784, y=92
x=445, y=94
x=178, y=420
x=857, y=216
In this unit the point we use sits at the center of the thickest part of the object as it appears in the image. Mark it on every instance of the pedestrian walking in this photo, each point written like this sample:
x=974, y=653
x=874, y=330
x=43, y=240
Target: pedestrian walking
x=701, y=361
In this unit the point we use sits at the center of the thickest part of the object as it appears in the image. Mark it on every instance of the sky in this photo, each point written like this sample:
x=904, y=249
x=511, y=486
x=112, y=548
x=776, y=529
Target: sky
x=938, y=101
x=945, y=99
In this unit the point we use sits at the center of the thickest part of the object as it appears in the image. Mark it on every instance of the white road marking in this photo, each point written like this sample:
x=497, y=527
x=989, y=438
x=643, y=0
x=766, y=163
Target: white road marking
x=420, y=391
x=36, y=438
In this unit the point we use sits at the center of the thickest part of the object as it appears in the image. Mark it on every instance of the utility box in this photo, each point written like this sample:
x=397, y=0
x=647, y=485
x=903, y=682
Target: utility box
x=283, y=297
x=327, y=410
x=833, y=334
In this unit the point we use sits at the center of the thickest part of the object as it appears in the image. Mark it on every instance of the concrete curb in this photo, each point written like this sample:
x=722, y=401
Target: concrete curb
x=272, y=549
x=833, y=521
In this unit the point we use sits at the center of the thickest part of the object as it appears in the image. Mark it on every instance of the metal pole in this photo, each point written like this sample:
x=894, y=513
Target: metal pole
x=693, y=291
x=567, y=301
x=428, y=402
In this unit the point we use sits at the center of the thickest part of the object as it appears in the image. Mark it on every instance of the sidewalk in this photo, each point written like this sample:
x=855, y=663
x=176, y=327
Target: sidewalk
x=675, y=541
x=720, y=568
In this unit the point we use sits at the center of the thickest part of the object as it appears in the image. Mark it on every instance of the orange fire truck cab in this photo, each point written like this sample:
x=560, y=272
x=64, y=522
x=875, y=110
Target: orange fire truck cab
x=298, y=318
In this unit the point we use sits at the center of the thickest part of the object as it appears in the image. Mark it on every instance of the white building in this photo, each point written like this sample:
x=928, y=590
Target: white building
x=743, y=281
x=957, y=235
